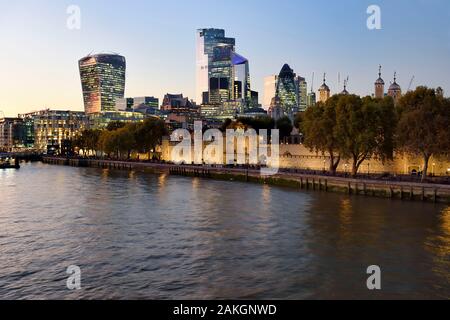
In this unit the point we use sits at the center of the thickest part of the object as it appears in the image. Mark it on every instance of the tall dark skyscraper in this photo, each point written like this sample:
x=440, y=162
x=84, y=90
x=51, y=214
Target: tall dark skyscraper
x=102, y=81
x=207, y=40
x=287, y=90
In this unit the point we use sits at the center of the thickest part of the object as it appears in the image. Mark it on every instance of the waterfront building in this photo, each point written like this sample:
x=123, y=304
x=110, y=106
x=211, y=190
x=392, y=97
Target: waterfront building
x=207, y=40
x=103, y=81
x=52, y=127
x=395, y=91
x=270, y=88
x=324, y=91
x=11, y=134
x=379, y=86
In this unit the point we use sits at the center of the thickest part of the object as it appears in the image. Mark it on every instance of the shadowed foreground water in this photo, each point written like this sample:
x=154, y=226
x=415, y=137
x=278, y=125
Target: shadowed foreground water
x=143, y=236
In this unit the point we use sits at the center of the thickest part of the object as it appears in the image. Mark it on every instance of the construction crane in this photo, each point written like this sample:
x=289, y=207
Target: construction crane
x=411, y=83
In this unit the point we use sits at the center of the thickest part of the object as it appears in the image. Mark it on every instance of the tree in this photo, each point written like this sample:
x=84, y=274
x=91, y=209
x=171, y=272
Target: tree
x=108, y=142
x=149, y=134
x=285, y=126
x=114, y=125
x=258, y=123
x=424, y=124
x=125, y=140
x=364, y=128
x=318, y=125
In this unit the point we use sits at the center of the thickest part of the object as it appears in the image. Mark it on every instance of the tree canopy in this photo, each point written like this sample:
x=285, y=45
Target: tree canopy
x=424, y=124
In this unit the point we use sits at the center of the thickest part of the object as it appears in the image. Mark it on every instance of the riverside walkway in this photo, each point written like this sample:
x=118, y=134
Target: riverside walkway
x=412, y=191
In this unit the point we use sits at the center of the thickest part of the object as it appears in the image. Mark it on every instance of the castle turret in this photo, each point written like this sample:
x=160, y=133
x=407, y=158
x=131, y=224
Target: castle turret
x=324, y=91
x=395, y=91
x=379, y=86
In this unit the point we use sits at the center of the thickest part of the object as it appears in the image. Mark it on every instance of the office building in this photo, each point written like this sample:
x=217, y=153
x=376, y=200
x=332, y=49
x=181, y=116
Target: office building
x=103, y=81
x=270, y=88
x=207, y=40
x=287, y=91
x=52, y=127
x=11, y=134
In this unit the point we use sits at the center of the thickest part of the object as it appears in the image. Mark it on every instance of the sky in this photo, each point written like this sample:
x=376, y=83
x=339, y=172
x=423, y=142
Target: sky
x=39, y=53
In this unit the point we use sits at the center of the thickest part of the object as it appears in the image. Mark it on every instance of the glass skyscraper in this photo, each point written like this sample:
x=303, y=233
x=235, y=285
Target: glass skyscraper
x=287, y=90
x=207, y=40
x=102, y=81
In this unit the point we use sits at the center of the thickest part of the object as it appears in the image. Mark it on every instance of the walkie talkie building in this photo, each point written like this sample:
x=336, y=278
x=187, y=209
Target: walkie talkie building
x=102, y=81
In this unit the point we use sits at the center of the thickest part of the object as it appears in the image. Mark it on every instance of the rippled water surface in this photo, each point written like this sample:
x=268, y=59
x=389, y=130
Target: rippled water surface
x=143, y=236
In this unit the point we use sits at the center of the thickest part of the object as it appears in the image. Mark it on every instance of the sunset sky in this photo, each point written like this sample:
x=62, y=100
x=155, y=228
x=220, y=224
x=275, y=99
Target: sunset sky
x=39, y=54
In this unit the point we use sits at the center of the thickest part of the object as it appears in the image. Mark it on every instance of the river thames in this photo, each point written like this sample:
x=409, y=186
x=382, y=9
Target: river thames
x=143, y=236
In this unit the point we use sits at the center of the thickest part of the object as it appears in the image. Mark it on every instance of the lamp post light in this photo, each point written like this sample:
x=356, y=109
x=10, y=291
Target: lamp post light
x=346, y=168
x=324, y=163
x=368, y=169
x=434, y=166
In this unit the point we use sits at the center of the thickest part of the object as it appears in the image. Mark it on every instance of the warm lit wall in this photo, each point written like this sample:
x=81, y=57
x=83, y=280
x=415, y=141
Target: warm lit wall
x=297, y=156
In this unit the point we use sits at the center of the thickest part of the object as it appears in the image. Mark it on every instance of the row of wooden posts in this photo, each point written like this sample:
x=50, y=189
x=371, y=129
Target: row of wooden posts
x=322, y=185
x=319, y=184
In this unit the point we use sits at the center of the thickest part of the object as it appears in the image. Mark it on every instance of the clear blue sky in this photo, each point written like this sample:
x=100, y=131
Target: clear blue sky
x=38, y=56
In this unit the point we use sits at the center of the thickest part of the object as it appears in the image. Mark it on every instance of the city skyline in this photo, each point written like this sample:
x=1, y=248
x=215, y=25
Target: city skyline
x=322, y=37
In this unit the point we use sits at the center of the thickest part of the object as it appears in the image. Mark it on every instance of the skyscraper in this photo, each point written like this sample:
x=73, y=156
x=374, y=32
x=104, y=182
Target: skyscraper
x=207, y=40
x=102, y=81
x=221, y=74
x=270, y=88
x=287, y=90
x=302, y=88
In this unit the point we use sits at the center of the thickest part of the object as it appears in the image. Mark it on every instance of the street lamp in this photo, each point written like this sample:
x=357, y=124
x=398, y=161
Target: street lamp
x=368, y=168
x=434, y=165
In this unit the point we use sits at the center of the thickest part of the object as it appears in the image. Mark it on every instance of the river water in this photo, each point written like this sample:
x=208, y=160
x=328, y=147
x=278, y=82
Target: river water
x=144, y=236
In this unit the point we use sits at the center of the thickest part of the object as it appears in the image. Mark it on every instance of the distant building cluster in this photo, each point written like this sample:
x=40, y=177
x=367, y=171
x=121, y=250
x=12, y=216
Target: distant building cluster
x=223, y=91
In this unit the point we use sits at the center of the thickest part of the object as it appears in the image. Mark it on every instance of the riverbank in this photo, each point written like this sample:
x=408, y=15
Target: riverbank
x=407, y=191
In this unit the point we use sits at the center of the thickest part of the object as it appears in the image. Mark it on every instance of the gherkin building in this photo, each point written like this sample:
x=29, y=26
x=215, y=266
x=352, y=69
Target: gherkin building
x=287, y=90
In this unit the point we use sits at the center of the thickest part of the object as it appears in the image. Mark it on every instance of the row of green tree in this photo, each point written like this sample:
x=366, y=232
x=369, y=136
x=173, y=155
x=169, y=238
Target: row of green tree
x=284, y=125
x=120, y=140
x=355, y=128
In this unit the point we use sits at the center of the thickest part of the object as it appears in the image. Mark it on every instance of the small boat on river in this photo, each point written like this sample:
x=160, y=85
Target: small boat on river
x=7, y=161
